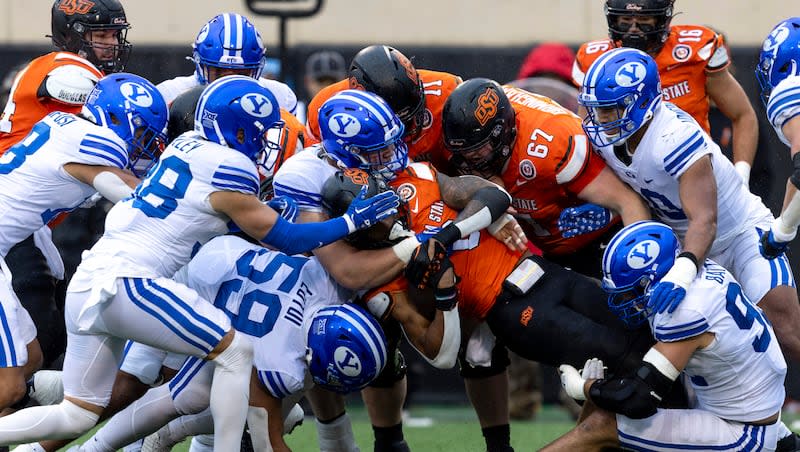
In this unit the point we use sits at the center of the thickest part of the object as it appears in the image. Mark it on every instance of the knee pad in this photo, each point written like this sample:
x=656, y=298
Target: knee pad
x=499, y=364
x=75, y=420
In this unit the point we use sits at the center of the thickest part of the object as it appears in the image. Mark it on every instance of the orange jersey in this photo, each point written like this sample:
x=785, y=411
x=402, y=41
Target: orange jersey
x=25, y=108
x=551, y=162
x=480, y=260
x=688, y=55
x=429, y=144
x=292, y=136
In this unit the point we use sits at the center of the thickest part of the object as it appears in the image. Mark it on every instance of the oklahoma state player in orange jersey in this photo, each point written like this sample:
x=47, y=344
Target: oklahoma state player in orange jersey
x=537, y=150
x=692, y=62
x=417, y=96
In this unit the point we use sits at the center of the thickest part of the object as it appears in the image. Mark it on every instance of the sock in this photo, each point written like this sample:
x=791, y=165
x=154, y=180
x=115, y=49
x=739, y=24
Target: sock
x=336, y=435
x=230, y=392
x=783, y=430
x=135, y=446
x=389, y=438
x=203, y=443
x=190, y=425
x=63, y=421
x=143, y=417
x=498, y=438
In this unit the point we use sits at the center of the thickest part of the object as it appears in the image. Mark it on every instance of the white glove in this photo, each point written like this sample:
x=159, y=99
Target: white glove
x=743, y=168
x=572, y=382
x=593, y=369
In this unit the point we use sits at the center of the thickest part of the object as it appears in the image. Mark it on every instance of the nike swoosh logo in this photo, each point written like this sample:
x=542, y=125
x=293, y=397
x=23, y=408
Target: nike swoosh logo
x=672, y=66
x=647, y=181
x=415, y=209
x=520, y=182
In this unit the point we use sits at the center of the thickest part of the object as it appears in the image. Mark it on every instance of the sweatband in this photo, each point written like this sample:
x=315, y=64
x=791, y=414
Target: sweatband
x=661, y=363
x=111, y=186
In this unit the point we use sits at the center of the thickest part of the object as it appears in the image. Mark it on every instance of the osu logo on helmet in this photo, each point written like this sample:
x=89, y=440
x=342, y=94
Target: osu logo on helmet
x=487, y=106
x=358, y=176
x=76, y=6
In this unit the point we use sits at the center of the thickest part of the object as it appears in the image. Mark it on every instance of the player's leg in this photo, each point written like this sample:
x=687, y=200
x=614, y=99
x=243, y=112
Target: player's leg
x=596, y=432
x=334, y=429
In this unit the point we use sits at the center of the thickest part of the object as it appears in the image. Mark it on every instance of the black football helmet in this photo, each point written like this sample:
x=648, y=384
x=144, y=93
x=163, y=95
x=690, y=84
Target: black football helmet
x=339, y=191
x=181, y=112
x=647, y=39
x=477, y=113
x=386, y=72
x=72, y=22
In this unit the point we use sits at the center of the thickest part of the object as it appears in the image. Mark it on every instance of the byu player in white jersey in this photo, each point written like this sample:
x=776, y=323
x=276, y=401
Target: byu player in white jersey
x=778, y=73
x=202, y=181
x=62, y=162
x=228, y=44
x=665, y=156
x=716, y=336
x=292, y=312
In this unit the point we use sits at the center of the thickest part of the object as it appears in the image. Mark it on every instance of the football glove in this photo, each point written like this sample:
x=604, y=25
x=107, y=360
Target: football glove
x=364, y=212
x=583, y=219
x=285, y=206
x=769, y=246
x=668, y=293
x=426, y=265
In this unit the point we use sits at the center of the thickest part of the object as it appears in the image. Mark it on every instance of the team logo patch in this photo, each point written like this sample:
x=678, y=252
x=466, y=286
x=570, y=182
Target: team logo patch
x=406, y=192
x=257, y=105
x=427, y=119
x=643, y=254
x=136, y=94
x=487, y=106
x=681, y=53
x=357, y=176
x=526, y=316
x=527, y=169
x=630, y=74
x=344, y=125
x=347, y=362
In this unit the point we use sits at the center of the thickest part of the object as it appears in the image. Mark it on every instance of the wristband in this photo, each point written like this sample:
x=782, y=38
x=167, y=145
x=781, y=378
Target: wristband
x=446, y=298
x=689, y=255
x=405, y=248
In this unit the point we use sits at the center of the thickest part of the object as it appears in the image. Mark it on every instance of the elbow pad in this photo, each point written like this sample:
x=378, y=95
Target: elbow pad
x=68, y=84
x=495, y=198
x=636, y=397
x=495, y=201
x=795, y=177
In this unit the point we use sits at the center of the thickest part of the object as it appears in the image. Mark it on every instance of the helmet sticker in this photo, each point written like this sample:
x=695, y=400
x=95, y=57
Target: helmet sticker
x=347, y=362
x=257, y=105
x=643, y=254
x=136, y=94
x=357, y=176
x=71, y=7
x=344, y=125
x=487, y=106
x=776, y=38
x=630, y=74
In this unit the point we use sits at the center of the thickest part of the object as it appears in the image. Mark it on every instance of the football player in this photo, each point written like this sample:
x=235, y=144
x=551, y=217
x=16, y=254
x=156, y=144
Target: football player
x=91, y=41
x=693, y=62
x=537, y=150
x=416, y=95
x=665, y=155
x=359, y=130
x=65, y=160
x=201, y=182
x=299, y=323
x=717, y=337
x=778, y=73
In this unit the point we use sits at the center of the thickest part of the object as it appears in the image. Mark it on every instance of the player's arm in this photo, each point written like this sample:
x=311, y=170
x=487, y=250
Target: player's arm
x=784, y=229
x=111, y=182
x=609, y=191
x=637, y=396
x=698, y=194
x=360, y=269
x=262, y=223
x=732, y=101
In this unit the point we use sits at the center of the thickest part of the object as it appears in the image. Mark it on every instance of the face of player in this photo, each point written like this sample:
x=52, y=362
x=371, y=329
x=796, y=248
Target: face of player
x=219, y=72
x=636, y=24
x=606, y=115
x=477, y=156
x=103, y=43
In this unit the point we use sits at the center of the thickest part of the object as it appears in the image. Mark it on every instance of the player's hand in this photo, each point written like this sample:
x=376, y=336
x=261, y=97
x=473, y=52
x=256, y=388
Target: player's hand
x=427, y=264
x=507, y=230
x=444, y=282
x=770, y=247
x=364, y=212
x=668, y=293
x=572, y=382
x=593, y=369
x=285, y=206
x=583, y=219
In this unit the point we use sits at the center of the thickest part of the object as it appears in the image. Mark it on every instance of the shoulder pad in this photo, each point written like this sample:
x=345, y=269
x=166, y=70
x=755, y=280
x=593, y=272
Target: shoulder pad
x=69, y=84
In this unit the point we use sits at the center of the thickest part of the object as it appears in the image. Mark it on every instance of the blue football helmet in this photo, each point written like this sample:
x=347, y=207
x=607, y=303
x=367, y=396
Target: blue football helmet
x=228, y=41
x=346, y=348
x=359, y=129
x=627, y=81
x=780, y=56
x=135, y=110
x=637, y=257
x=237, y=112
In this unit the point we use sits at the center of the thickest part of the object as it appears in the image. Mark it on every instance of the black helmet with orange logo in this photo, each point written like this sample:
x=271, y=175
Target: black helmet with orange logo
x=648, y=38
x=73, y=21
x=385, y=71
x=475, y=114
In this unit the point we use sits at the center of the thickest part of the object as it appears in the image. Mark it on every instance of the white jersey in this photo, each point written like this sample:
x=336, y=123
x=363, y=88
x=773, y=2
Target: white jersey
x=784, y=104
x=740, y=375
x=672, y=143
x=34, y=187
x=270, y=297
x=156, y=231
x=302, y=176
x=173, y=88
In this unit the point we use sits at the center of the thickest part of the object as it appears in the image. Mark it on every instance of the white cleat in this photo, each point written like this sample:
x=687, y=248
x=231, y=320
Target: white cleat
x=47, y=388
x=158, y=441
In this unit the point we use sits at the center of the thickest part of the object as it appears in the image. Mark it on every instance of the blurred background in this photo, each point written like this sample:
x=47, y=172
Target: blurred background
x=488, y=38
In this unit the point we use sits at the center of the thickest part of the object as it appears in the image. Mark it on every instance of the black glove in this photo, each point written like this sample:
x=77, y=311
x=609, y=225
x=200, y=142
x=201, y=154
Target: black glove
x=425, y=262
